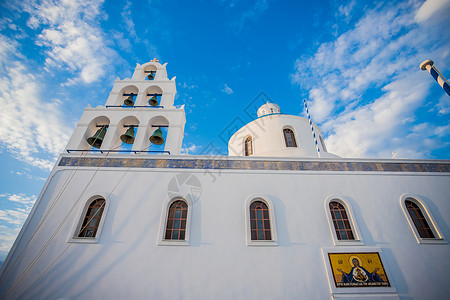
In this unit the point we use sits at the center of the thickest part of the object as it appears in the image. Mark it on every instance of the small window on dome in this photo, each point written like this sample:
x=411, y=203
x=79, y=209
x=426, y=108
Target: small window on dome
x=289, y=138
x=248, y=147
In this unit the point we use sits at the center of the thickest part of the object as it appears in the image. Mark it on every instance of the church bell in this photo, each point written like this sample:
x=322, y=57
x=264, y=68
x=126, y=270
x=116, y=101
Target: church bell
x=150, y=76
x=97, y=139
x=129, y=101
x=128, y=136
x=157, y=137
x=153, y=101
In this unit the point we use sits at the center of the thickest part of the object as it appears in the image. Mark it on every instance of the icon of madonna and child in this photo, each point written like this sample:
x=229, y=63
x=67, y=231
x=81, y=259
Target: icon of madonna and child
x=348, y=270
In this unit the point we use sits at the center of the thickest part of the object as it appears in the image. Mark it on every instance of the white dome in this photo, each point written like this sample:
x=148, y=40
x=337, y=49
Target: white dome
x=277, y=135
x=268, y=109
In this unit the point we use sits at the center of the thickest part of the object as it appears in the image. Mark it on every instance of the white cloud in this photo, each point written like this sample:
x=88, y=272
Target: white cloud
x=12, y=219
x=128, y=20
x=442, y=130
x=188, y=86
x=432, y=8
x=444, y=105
x=345, y=10
x=252, y=13
x=7, y=237
x=227, y=90
x=191, y=149
x=374, y=129
x=29, y=127
x=29, y=176
x=21, y=198
x=121, y=41
x=381, y=52
x=71, y=33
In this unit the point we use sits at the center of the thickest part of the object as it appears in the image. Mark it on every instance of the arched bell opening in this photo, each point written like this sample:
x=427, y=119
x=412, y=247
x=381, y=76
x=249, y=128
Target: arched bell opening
x=149, y=72
x=127, y=96
x=95, y=133
x=125, y=134
x=153, y=96
x=156, y=135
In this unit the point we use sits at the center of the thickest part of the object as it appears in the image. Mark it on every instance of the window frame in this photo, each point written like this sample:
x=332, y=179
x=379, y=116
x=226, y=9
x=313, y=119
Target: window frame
x=245, y=145
x=439, y=238
x=260, y=208
x=344, y=201
x=284, y=137
x=273, y=227
x=163, y=223
x=74, y=238
x=181, y=207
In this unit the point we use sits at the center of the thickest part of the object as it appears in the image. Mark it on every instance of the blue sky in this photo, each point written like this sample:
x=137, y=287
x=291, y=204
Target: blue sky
x=356, y=62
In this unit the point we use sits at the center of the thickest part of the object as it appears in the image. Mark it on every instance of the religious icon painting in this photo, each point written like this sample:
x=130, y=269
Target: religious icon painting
x=360, y=270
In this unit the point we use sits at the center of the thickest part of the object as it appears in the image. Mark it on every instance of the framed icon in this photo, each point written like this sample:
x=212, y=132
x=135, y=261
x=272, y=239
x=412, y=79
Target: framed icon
x=358, y=269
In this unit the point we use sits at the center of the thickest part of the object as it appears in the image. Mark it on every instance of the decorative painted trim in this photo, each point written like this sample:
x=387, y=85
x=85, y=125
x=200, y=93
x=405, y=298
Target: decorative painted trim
x=228, y=164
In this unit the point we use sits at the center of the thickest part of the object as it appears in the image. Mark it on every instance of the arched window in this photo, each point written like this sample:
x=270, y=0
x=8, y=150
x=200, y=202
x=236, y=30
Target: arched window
x=176, y=221
x=92, y=218
x=260, y=221
x=248, y=148
x=419, y=220
x=289, y=137
x=341, y=221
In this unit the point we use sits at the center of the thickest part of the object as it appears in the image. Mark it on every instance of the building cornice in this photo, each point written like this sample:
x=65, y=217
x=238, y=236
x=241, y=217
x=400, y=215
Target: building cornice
x=248, y=163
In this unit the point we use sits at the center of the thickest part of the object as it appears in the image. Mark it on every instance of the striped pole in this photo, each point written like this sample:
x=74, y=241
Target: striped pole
x=312, y=128
x=429, y=65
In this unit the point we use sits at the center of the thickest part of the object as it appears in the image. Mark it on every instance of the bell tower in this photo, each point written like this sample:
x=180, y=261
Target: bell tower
x=139, y=116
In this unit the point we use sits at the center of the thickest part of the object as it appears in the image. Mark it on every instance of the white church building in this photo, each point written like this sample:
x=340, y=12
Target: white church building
x=125, y=215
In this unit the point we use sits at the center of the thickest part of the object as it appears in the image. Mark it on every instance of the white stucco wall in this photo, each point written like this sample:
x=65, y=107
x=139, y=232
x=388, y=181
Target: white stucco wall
x=127, y=262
